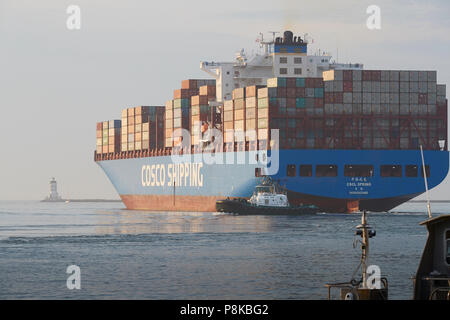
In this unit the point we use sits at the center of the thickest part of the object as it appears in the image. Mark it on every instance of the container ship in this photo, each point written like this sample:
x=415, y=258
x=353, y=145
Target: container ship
x=330, y=134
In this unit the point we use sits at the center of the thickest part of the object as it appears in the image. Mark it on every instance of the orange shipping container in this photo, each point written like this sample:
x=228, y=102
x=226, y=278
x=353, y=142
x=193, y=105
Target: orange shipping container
x=228, y=105
x=228, y=125
x=199, y=100
x=250, y=102
x=189, y=84
x=263, y=113
x=209, y=91
x=252, y=91
x=239, y=125
x=263, y=134
x=239, y=114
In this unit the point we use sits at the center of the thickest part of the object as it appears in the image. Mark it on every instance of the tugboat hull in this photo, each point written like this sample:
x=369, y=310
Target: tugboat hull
x=242, y=207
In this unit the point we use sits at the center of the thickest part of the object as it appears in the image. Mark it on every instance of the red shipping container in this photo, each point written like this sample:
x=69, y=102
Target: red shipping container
x=366, y=75
x=348, y=86
x=291, y=92
x=291, y=102
x=318, y=83
x=309, y=83
x=300, y=92
x=318, y=102
x=281, y=92
x=329, y=97
x=348, y=75
x=338, y=97
x=376, y=75
x=291, y=82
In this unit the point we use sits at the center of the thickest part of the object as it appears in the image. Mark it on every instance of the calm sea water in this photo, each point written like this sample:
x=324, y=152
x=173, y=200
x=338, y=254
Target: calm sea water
x=144, y=255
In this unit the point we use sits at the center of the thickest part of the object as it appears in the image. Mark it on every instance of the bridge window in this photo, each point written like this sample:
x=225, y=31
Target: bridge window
x=283, y=60
x=291, y=170
x=353, y=170
x=329, y=170
x=427, y=170
x=411, y=171
x=391, y=171
x=298, y=71
x=283, y=70
x=297, y=60
x=305, y=170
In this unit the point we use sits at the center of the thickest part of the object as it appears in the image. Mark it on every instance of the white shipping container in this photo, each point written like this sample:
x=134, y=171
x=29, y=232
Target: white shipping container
x=404, y=75
x=357, y=97
x=348, y=97
x=413, y=98
x=394, y=76
x=441, y=90
x=414, y=87
x=432, y=87
x=357, y=86
x=404, y=87
x=423, y=76
x=413, y=76
x=357, y=75
x=432, y=76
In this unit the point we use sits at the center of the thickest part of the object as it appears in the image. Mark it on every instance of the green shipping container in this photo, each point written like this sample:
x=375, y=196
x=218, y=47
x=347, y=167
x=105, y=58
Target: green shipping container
x=318, y=92
x=300, y=102
x=300, y=82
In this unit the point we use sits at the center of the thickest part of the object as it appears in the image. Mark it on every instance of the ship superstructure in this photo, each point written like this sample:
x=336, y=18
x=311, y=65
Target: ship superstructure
x=285, y=56
x=333, y=135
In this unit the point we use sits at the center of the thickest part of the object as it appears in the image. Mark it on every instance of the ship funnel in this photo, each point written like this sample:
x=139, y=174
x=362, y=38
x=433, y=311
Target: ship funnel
x=288, y=37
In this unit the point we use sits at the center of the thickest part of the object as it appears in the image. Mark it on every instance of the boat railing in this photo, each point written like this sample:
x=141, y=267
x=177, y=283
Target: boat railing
x=352, y=287
x=445, y=295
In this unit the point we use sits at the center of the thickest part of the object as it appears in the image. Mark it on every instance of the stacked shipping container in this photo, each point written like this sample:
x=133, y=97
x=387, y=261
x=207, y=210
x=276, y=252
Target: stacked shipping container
x=375, y=109
x=108, y=136
x=201, y=111
x=346, y=109
x=180, y=107
x=295, y=107
x=143, y=128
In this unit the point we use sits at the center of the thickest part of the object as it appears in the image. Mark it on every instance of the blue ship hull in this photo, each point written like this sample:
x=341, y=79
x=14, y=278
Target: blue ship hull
x=156, y=183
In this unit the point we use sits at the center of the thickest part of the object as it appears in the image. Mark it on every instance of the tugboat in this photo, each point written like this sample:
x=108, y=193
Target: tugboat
x=266, y=200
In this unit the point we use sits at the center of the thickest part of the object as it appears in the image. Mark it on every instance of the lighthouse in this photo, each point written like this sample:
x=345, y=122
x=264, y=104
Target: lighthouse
x=53, y=195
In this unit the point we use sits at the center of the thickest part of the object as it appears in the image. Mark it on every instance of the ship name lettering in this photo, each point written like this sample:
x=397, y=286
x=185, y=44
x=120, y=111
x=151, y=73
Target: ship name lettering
x=178, y=174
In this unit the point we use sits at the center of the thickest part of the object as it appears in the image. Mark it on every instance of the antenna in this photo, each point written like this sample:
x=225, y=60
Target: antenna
x=273, y=34
x=426, y=183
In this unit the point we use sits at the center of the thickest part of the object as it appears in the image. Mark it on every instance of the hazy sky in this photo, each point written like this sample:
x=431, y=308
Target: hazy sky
x=56, y=84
